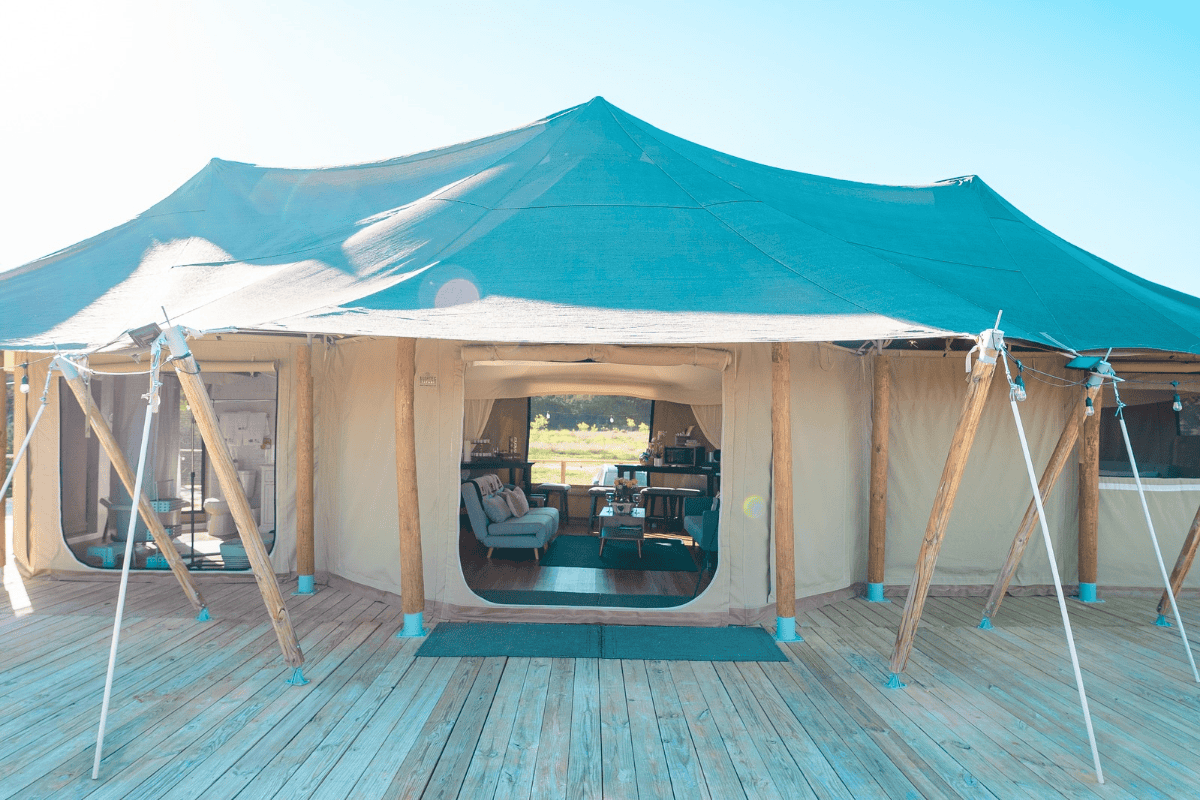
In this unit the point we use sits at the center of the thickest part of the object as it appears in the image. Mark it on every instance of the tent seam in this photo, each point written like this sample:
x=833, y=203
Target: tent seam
x=1108, y=281
x=803, y=222
x=435, y=256
x=722, y=222
x=786, y=214
x=991, y=224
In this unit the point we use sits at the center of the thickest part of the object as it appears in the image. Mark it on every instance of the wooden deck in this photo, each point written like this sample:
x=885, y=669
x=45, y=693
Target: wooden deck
x=201, y=710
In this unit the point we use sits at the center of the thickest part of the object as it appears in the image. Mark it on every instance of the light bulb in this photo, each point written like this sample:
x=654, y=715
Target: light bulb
x=1018, y=390
x=24, y=384
x=1089, y=408
x=1177, y=405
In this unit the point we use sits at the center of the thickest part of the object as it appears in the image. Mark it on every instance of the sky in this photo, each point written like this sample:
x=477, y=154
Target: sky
x=1085, y=115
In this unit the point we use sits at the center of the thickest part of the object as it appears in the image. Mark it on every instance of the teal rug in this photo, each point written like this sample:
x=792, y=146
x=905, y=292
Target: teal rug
x=643, y=642
x=526, y=597
x=658, y=555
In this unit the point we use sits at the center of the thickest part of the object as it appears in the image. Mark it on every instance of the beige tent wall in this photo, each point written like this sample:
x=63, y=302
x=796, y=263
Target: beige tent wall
x=46, y=549
x=1124, y=553
x=831, y=440
x=355, y=514
x=927, y=394
x=356, y=492
x=744, y=578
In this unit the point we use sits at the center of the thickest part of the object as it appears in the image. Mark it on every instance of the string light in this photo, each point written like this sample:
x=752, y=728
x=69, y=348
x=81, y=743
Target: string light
x=25, y=378
x=1018, y=387
x=1088, y=407
x=1178, y=404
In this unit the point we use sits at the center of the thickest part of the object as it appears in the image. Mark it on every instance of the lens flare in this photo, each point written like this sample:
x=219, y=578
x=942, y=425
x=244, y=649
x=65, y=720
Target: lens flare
x=456, y=292
x=754, y=507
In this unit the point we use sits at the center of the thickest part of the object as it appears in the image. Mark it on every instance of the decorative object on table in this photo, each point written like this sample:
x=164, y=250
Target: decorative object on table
x=624, y=495
x=474, y=451
x=684, y=438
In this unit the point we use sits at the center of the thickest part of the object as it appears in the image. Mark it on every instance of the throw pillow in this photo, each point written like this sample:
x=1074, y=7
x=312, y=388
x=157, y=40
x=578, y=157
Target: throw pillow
x=496, y=508
x=517, y=502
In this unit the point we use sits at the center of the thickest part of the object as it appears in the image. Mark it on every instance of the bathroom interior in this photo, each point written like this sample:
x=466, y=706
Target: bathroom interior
x=178, y=478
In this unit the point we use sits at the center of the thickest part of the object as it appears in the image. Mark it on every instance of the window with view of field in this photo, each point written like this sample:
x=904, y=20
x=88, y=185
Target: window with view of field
x=576, y=434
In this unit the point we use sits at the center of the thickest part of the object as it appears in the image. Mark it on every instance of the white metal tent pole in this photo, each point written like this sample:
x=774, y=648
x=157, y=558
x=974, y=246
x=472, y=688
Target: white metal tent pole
x=28, y=434
x=1187, y=648
x=1058, y=590
x=151, y=407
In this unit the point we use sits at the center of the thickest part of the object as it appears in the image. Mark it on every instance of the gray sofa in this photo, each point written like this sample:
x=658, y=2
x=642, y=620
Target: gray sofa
x=536, y=528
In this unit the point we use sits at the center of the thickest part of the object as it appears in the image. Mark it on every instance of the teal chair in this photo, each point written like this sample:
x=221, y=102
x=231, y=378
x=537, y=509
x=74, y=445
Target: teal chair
x=700, y=516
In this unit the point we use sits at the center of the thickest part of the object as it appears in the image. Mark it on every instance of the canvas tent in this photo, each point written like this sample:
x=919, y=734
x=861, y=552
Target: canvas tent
x=592, y=249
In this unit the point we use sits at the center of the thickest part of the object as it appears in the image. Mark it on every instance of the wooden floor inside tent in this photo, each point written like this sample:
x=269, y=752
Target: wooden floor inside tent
x=201, y=710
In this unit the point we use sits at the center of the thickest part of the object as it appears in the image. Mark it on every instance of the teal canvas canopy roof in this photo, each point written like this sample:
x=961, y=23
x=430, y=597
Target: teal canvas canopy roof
x=587, y=226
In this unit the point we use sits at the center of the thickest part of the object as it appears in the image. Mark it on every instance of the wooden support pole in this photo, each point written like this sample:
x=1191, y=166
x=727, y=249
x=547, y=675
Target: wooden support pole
x=877, y=531
x=21, y=489
x=3, y=460
x=1058, y=460
x=943, y=503
x=1184, y=563
x=781, y=491
x=412, y=575
x=305, y=528
x=205, y=415
x=108, y=442
x=1089, y=499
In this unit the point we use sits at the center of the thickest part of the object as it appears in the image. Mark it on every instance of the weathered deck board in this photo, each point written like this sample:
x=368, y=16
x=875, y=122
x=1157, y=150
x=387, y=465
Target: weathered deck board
x=583, y=765
x=515, y=777
x=554, y=742
x=649, y=758
x=201, y=709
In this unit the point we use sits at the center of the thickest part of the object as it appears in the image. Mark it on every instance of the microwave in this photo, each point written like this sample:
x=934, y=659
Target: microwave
x=683, y=456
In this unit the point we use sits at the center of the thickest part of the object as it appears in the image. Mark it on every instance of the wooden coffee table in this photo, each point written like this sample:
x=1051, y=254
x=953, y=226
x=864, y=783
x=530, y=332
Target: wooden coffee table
x=622, y=526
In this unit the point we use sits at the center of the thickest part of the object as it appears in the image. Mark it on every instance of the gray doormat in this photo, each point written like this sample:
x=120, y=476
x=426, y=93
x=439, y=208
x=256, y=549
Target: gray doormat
x=529, y=597
x=644, y=642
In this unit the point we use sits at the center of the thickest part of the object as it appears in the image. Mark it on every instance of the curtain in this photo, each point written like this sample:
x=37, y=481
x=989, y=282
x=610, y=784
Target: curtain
x=475, y=419
x=709, y=420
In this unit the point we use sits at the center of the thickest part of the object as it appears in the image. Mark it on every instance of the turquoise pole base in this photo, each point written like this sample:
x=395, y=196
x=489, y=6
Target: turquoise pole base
x=1162, y=622
x=297, y=678
x=894, y=682
x=305, y=585
x=413, y=626
x=785, y=630
x=203, y=616
x=875, y=593
x=1087, y=593
x=985, y=624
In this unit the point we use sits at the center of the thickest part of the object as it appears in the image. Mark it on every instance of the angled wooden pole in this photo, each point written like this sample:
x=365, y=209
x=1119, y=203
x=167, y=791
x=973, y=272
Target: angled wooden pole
x=205, y=415
x=412, y=573
x=108, y=441
x=781, y=492
x=3, y=460
x=1184, y=563
x=943, y=502
x=1058, y=460
x=877, y=531
x=305, y=528
x=1089, y=500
